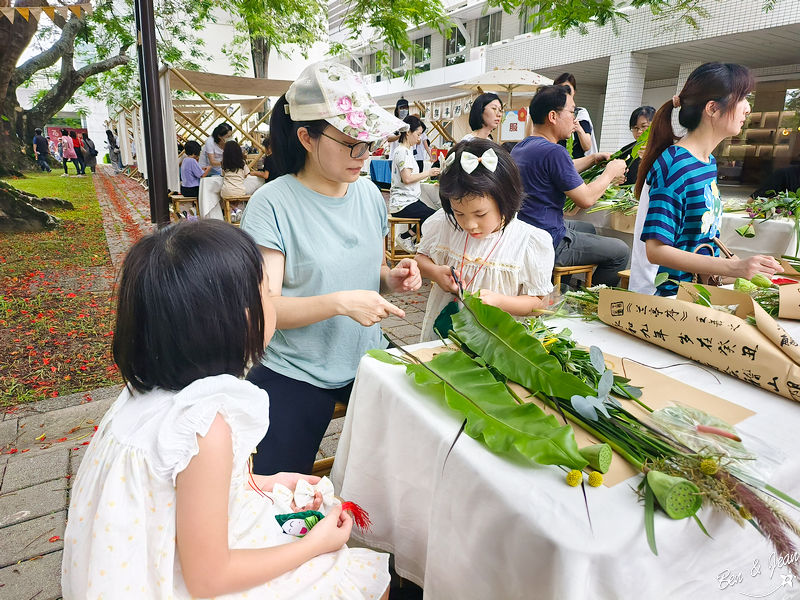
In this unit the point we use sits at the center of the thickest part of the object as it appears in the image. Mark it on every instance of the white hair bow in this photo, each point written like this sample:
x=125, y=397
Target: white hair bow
x=304, y=493
x=470, y=162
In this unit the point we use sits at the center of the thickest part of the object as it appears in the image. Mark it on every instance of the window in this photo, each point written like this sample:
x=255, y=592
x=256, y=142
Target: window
x=398, y=62
x=354, y=66
x=455, y=47
x=526, y=25
x=489, y=29
x=422, y=53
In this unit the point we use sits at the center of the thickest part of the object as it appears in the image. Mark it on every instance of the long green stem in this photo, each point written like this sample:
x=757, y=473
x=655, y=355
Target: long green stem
x=621, y=451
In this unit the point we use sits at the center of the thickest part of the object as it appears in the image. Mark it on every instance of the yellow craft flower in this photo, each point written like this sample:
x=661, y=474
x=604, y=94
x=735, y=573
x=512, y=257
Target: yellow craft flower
x=574, y=478
x=744, y=513
x=709, y=466
x=595, y=479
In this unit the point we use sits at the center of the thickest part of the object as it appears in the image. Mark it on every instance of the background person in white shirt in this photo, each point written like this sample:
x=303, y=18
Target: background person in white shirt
x=404, y=197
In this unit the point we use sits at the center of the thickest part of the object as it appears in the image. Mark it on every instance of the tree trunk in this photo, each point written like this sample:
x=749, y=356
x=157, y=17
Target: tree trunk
x=260, y=48
x=17, y=125
x=17, y=212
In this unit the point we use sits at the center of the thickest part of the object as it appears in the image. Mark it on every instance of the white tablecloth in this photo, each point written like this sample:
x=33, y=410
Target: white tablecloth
x=430, y=195
x=208, y=196
x=773, y=238
x=498, y=527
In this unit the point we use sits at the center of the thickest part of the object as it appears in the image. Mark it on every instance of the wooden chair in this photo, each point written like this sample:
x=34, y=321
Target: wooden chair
x=178, y=205
x=323, y=466
x=559, y=272
x=624, y=278
x=228, y=204
x=393, y=252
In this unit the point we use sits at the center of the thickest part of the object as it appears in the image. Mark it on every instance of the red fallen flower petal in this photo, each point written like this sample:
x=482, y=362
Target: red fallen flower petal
x=61, y=440
x=95, y=427
x=55, y=538
x=12, y=451
x=71, y=295
x=26, y=450
x=85, y=443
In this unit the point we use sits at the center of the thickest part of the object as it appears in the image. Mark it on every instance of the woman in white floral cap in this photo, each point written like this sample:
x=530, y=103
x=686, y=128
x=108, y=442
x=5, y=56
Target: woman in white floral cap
x=320, y=227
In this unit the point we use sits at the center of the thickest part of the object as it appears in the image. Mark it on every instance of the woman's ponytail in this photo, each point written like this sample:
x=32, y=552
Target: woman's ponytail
x=288, y=152
x=726, y=84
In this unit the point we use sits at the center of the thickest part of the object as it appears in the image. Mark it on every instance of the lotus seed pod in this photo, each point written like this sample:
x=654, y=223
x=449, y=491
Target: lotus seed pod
x=679, y=498
x=598, y=456
x=709, y=466
x=574, y=477
x=595, y=479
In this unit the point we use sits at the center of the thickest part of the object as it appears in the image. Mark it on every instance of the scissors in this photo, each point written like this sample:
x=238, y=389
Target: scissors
x=458, y=282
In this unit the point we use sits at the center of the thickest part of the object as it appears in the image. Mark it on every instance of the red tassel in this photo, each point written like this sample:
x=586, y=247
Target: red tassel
x=360, y=516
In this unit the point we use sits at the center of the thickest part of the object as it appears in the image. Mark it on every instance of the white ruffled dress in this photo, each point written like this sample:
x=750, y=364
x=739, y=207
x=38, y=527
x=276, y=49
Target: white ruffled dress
x=120, y=538
x=522, y=262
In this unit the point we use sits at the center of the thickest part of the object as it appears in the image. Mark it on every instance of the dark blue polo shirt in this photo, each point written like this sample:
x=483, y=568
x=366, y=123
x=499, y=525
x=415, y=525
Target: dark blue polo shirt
x=547, y=172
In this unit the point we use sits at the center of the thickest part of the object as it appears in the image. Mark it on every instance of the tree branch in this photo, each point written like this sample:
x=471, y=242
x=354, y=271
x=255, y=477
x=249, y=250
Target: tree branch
x=104, y=65
x=50, y=56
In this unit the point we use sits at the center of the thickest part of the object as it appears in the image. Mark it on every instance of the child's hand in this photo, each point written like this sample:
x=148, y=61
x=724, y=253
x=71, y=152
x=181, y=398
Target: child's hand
x=332, y=532
x=405, y=277
x=491, y=298
x=444, y=279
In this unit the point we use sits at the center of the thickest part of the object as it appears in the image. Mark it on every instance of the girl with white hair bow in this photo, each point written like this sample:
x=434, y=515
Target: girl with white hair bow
x=475, y=242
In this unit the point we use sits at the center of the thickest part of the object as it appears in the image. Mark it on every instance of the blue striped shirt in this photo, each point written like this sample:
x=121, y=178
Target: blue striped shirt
x=685, y=207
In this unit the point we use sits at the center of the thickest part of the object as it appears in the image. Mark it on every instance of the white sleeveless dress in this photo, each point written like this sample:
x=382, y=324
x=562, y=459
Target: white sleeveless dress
x=120, y=536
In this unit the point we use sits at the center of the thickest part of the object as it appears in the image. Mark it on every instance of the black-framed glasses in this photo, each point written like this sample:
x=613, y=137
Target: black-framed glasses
x=640, y=128
x=357, y=150
x=574, y=111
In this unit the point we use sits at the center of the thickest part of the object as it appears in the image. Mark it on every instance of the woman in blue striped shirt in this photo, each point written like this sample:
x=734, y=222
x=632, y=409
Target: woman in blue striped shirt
x=679, y=201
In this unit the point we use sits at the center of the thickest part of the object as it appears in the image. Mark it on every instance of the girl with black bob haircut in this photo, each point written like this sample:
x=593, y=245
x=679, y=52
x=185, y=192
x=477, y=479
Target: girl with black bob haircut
x=173, y=327
x=680, y=209
x=232, y=157
x=478, y=236
x=173, y=450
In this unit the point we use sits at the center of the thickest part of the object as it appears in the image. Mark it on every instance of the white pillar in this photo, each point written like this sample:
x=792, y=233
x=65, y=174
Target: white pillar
x=686, y=70
x=623, y=95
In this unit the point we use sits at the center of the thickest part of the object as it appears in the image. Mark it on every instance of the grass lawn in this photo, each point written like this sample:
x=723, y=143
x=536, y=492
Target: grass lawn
x=56, y=312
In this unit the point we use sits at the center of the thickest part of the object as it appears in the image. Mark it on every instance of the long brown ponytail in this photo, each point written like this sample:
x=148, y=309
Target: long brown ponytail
x=724, y=83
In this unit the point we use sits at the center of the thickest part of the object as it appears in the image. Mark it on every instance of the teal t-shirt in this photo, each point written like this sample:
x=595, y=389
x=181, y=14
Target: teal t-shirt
x=330, y=245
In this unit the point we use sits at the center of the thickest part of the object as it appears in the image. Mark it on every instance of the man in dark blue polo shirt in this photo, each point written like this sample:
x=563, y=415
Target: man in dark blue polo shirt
x=549, y=175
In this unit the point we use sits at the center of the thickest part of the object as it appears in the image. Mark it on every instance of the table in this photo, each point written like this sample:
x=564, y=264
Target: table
x=491, y=526
x=774, y=237
x=208, y=196
x=380, y=171
x=430, y=195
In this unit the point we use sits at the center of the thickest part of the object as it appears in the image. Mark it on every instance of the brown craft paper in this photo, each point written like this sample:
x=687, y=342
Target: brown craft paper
x=789, y=297
x=764, y=355
x=658, y=391
x=788, y=269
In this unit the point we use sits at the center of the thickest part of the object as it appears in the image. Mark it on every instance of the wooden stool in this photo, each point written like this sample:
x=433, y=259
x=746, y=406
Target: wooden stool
x=559, y=272
x=230, y=203
x=624, y=278
x=178, y=201
x=393, y=253
x=323, y=466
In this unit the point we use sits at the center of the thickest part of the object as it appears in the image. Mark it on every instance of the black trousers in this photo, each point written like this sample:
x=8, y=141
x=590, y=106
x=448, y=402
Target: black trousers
x=299, y=414
x=417, y=210
x=190, y=192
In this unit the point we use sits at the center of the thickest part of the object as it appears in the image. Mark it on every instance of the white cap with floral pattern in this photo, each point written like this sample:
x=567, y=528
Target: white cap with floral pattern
x=335, y=93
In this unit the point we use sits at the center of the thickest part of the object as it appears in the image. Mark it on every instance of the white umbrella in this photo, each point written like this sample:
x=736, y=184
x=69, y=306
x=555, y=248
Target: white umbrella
x=505, y=80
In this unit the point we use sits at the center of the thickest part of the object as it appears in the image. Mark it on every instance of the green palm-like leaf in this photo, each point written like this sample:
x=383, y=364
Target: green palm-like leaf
x=491, y=411
x=503, y=343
